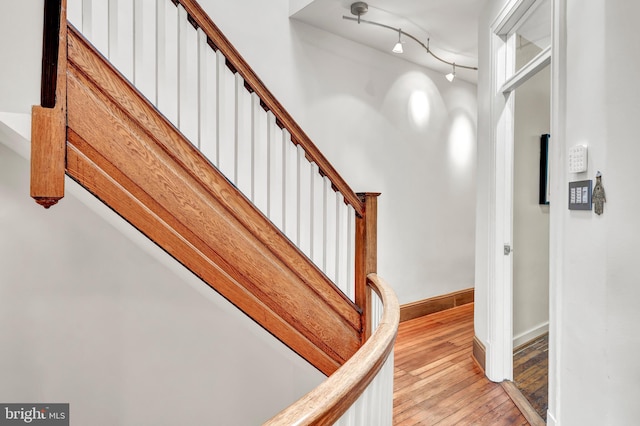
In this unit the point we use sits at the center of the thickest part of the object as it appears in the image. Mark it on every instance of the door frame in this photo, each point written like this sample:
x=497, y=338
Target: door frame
x=499, y=362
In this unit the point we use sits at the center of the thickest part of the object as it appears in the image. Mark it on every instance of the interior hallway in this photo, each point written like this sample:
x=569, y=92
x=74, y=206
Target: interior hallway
x=436, y=380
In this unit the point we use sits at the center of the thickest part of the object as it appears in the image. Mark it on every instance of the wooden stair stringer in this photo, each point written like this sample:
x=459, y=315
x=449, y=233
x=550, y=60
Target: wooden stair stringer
x=126, y=153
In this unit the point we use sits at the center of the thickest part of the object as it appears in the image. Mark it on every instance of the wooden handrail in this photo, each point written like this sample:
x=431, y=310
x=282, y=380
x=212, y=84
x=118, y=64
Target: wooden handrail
x=237, y=63
x=328, y=402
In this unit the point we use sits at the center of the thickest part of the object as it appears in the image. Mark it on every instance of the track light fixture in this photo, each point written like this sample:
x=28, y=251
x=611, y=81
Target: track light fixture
x=452, y=74
x=398, y=47
x=359, y=8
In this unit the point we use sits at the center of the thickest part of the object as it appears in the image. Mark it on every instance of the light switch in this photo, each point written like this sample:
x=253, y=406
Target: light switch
x=578, y=159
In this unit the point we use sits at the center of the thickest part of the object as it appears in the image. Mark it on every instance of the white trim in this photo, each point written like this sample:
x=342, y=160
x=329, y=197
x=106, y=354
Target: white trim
x=556, y=243
x=530, y=334
x=510, y=15
x=499, y=361
x=296, y=6
x=493, y=357
x=529, y=70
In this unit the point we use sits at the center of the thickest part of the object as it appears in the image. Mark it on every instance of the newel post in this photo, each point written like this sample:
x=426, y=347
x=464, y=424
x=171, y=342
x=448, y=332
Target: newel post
x=49, y=119
x=366, y=256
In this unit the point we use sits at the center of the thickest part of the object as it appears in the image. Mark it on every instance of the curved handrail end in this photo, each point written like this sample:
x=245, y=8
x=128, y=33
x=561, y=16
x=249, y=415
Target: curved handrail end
x=332, y=398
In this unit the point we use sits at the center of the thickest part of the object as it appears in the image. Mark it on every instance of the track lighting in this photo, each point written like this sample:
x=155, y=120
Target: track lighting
x=398, y=47
x=452, y=75
x=360, y=8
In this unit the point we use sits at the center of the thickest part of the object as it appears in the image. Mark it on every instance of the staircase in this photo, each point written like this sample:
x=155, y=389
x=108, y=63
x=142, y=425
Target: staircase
x=189, y=146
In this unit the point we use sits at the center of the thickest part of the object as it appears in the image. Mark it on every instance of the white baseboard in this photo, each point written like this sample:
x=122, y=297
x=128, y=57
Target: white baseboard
x=531, y=334
x=15, y=132
x=551, y=420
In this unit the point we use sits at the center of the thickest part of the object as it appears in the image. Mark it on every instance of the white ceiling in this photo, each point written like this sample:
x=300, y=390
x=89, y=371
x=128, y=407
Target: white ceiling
x=451, y=26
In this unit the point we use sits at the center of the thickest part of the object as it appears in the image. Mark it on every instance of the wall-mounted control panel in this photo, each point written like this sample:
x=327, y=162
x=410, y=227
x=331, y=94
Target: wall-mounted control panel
x=578, y=159
x=580, y=195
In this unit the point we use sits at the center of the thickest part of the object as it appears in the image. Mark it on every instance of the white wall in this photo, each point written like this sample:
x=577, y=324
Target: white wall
x=21, y=61
x=530, y=220
x=598, y=282
x=93, y=314
x=594, y=373
x=118, y=329
x=387, y=126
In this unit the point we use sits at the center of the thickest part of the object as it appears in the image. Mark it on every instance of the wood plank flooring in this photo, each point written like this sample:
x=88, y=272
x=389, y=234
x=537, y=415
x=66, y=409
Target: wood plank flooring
x=436, y=380
x=530, y=373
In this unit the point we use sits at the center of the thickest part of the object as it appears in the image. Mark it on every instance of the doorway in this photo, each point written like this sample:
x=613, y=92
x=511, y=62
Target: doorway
x=521, y=60
x=532, y=121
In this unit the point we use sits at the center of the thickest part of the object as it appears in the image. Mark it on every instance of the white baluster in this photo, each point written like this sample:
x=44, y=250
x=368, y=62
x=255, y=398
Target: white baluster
x=74, y=13
x=121, y=36
x=145, y=49
x=341, y=244
x=363, y=409
x=243, y=137
x=304, y=202
x=260, y=155
x=377, y=393
x=351, y=253
x=329, y=267
x=208, y=99
x=187, y=78
x=348, y=418
x=386, y=400
x=275, y=170
x=226, y=119
x=167, y=57
x=374, y=406
x=95, y=24
x=291, y=191
x=317, y=217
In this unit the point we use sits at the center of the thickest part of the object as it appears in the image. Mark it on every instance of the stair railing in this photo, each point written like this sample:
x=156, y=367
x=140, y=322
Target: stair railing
x=200, y=83
x=176, y=56
x=360, y=393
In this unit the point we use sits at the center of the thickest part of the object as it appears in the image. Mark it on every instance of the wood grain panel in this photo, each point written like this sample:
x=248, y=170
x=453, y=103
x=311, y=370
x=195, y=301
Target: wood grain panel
x=237, y=63
x=115, y=193
x=197, y=215
x=93, y=69
x=48, y=121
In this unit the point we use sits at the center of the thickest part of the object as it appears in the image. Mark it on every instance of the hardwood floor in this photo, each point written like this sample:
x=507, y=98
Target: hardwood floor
x=436, y=380
x=530, y=373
